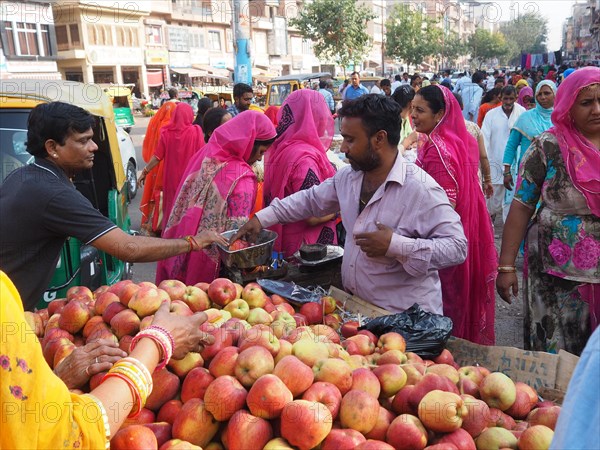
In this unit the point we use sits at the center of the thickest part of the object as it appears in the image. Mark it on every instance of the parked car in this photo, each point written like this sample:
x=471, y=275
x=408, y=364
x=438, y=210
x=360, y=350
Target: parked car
x=104, y=185
x=129, y=161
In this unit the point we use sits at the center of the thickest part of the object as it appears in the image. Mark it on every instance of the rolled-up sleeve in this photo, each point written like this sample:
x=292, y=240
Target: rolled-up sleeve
x=442, y=242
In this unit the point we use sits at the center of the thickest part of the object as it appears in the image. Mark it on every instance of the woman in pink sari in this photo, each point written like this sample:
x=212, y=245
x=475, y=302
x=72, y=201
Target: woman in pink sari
x=525, y=96
x=451, y=156
x=298, y=161
x=178, y=142
x=217, y=193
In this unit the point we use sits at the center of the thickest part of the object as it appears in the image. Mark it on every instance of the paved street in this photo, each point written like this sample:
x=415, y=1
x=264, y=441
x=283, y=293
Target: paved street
x=141, y=271
x=509, y=318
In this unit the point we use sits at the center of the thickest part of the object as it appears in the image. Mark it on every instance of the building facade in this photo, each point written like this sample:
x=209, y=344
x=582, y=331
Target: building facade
x=581, y=32
x=28, y=41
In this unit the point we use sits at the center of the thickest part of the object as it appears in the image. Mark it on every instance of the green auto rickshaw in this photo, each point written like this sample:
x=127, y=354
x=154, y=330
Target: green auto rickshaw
x=122, y=104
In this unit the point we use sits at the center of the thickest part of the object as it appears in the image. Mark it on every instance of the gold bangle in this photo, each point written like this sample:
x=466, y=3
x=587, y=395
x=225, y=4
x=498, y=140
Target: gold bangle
x=507, y=269
x=188, y=239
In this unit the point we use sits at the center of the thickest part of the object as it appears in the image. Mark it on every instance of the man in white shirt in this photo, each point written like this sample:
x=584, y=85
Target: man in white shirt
x=496, y=129
x=376, y=89
x=472, y=92
x=397, y=82
x=491, y=80
x=462, y=79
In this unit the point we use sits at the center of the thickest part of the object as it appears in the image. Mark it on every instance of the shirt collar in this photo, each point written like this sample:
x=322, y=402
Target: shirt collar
x=398, y=172
x=49, y=166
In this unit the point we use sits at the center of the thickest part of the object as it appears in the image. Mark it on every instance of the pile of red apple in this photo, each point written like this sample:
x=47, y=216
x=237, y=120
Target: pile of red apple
x=277, y=379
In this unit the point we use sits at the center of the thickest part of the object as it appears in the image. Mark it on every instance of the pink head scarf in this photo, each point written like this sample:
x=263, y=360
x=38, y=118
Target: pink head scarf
x=234, y=140
x=305, y=129
x=581, y=157
x=525, y=92
x=180, y=132
x=454, y=142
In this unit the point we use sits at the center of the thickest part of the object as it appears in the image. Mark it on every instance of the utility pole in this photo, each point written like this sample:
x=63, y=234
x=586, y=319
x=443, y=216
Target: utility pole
x=241, y=45
x=383, y=38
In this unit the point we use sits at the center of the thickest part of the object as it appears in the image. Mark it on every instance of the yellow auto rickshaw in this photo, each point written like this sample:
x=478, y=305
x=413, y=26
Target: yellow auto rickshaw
x=279, y=88
x=122, y=104
x=218, y=93
x=104, y=185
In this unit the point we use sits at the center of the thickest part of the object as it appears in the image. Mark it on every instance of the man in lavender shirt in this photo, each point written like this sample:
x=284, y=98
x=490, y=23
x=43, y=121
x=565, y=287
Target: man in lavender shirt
x=401, y=226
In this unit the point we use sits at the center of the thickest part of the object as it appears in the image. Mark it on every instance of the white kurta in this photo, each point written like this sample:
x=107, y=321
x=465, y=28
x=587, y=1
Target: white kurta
x=496, y=130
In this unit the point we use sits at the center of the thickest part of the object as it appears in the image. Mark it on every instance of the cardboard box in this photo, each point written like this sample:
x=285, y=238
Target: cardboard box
x=355, y=304
x=547, y=373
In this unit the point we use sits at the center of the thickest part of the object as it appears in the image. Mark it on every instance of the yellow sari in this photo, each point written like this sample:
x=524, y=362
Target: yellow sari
x=37, y=410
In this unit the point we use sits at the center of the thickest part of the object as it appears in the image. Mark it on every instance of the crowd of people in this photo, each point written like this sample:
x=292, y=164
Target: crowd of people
x=419, y=230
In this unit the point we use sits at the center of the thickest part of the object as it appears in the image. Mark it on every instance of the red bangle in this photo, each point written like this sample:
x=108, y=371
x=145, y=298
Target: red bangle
x=137, y=398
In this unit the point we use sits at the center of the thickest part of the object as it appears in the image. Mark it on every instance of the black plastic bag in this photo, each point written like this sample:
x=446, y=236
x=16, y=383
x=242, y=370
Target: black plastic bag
x=425, y=333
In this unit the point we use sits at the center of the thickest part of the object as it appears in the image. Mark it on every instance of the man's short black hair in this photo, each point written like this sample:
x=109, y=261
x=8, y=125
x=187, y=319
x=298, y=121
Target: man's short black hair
x=322, y=84
x=376, y=113
x=355, y=73
x=56, y=121
x=478, y=77
x=240, y=89
x=509, y=90
x=385, y=82
x=398, y=77
x=173, y=93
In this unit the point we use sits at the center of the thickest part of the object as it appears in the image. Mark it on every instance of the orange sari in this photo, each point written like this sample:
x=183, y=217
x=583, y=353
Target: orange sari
x=153, y=184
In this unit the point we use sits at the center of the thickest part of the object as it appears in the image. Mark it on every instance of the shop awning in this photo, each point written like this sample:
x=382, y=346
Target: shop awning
x=223, y=73
x=192, y=73
x=154, y=78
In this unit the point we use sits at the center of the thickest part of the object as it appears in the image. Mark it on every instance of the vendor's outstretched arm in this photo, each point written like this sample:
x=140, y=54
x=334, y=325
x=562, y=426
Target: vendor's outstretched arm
x=317, y=201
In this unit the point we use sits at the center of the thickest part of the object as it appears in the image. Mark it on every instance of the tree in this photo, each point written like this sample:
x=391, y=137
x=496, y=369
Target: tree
x=525, y=34
x=450, y=48
x=484, y=45
x=337, y=28
x=411, y=34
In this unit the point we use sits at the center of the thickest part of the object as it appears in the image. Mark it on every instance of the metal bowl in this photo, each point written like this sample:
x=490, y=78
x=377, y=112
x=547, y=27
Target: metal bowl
x=248, y=258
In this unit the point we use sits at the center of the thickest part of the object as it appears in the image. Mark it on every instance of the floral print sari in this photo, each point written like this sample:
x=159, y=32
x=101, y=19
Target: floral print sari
x=561, y=280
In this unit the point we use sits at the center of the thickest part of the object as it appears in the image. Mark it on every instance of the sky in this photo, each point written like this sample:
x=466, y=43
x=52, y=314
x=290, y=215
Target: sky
x=556, y=11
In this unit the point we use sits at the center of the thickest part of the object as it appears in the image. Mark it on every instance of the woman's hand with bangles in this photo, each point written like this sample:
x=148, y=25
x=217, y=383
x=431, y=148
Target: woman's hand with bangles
x=507, y=286
x=185, y=330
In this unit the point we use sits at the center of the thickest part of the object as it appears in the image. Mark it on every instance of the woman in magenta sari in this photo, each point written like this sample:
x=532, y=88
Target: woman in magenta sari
x=451, y=156
x=217, y=193
x=298, y=160
x=178, y=142
x=559, y=187
x=525, y=96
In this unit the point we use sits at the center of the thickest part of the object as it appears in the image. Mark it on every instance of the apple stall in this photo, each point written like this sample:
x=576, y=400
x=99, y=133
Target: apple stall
x=283, y=376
